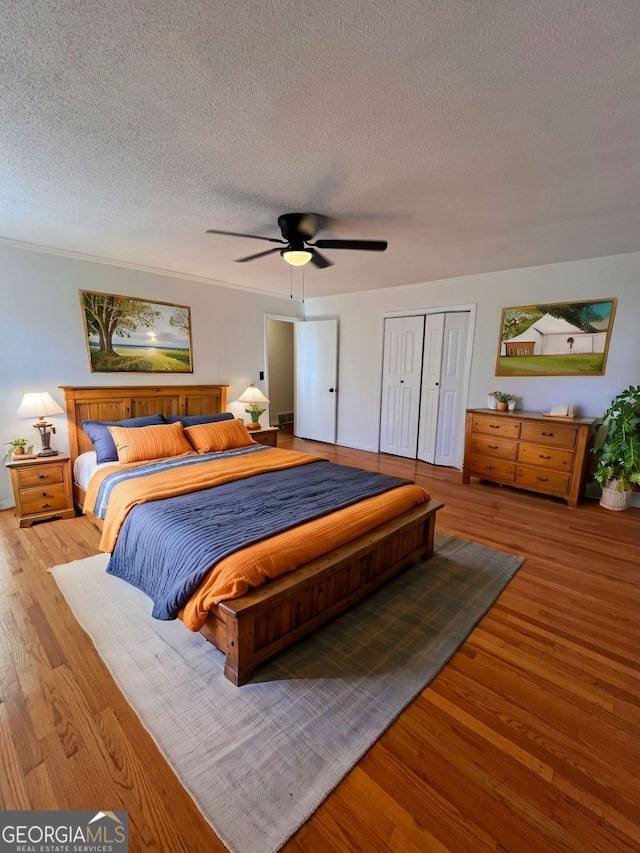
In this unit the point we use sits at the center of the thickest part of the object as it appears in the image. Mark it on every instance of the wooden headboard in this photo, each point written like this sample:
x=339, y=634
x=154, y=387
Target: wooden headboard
x=131, y=401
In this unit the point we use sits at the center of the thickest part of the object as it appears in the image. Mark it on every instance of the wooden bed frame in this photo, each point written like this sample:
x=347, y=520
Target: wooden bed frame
x=252, y=628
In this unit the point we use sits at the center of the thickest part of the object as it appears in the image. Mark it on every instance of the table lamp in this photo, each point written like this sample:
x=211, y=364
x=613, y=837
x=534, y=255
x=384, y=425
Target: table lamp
x=40, y=405
x=253, y=396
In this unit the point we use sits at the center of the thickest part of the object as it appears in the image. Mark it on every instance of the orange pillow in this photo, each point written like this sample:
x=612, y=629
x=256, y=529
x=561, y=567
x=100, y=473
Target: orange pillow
x=137, y=444
x=224, y=435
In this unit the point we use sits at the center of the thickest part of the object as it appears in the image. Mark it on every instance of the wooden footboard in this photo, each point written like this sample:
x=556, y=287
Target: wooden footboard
x=261, y=623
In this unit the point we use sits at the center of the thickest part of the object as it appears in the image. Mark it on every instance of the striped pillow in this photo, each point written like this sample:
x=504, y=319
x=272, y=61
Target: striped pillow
x=137, y=444
x=225, y=435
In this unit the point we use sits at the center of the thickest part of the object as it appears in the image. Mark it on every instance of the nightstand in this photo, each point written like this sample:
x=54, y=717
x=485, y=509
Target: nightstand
x=266, y=435
x=42, y=488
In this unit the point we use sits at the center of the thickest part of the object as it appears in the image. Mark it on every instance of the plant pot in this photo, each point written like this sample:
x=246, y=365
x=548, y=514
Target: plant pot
x=502, y=407
x=613, y=499
x=18, y=452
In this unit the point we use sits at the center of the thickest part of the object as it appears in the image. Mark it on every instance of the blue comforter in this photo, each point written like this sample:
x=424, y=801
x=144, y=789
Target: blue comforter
x=167, y=547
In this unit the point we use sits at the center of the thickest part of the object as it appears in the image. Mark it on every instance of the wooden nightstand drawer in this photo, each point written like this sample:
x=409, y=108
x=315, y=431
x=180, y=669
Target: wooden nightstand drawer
x=546, y=457
x=45, y=475
x=490, y=446
x=45, y=499
x=561, y=436
x=268, y=436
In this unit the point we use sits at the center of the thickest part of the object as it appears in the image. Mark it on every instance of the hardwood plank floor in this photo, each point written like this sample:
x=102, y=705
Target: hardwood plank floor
x=528, y=740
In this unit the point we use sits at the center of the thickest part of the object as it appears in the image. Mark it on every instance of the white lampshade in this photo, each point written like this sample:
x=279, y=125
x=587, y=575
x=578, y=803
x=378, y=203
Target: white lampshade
x=252, y=395
x=38, y=405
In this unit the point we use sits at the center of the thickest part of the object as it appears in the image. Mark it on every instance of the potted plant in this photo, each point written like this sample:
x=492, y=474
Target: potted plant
x=503, y=401
x=618, y=468
x=18, y=447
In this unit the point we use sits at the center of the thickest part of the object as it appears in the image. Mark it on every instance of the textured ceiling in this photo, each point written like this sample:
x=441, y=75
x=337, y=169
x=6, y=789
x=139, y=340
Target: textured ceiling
x=473, y=135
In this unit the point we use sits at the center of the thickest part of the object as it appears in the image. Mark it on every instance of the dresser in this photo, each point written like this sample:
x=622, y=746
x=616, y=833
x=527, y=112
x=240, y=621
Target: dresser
x=42, y=488
x=528, y=451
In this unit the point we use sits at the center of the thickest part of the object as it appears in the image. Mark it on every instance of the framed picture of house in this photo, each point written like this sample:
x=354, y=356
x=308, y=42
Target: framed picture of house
x=555, y=339
x=128, y=335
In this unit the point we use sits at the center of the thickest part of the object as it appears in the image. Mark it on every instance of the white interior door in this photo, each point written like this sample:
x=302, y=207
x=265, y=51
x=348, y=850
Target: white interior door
x=401, y=373
x=316, y=345
x=452, y=379
x=430, y=398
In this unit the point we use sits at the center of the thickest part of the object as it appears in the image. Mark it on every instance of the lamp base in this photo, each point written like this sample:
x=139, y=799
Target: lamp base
x=47, y=451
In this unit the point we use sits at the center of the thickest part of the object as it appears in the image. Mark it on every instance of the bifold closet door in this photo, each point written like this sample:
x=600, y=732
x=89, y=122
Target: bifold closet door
x=443, y=378
x=401, y=378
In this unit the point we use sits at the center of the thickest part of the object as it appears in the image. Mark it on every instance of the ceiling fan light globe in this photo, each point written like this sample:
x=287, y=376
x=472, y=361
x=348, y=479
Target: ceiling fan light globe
x=296, y=257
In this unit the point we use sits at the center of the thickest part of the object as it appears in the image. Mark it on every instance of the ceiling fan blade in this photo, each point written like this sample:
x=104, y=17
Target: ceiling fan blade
x=259, y=255
x=320, y=261
x=252, y=236
x=365, y=245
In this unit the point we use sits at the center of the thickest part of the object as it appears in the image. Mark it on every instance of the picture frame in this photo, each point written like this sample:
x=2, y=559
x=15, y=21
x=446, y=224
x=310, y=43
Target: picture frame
x=125, y=334
x=556, y=339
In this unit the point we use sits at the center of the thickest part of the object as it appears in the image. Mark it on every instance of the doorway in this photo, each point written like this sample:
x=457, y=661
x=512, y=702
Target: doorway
x=425, y=381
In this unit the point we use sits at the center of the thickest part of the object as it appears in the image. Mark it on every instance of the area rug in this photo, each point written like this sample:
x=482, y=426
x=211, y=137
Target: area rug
x=258, y=760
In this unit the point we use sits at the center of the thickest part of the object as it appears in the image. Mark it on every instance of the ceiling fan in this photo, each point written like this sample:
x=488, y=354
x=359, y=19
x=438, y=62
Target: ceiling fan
x=297, y=230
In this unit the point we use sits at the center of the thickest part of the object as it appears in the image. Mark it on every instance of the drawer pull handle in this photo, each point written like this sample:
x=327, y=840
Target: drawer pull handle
x=541, y=456
x=43, y=476
x=44, y=495
x=550, y=434
x=489, y=467
x=542, y=479
x=44, y=506
x=492, y=446
x=494, y=426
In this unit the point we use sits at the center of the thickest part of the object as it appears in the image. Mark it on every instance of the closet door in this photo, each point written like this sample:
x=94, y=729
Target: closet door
x=430, y=401
x=401, y=376
x=449, y=441
x=443, y=376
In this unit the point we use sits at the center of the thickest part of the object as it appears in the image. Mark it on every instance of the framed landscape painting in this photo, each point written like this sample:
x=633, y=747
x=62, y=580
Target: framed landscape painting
x=555, y=339
x=126, y=335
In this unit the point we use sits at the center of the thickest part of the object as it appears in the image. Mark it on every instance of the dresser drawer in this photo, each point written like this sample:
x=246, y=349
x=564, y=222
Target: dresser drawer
x=43, y=499
x=44, y=475
x=483, y=466
x=561, y=436
x=546, y=457
x=490, y=446
x=504, y=427
x=548, y=481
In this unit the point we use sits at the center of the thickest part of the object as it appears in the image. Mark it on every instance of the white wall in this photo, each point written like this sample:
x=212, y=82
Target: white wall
x=360, y=317
x=42, y=338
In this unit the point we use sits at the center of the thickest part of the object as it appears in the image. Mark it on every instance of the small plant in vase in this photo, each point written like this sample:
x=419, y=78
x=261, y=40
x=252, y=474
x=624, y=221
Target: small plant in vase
x=503, y=401
x=254, y=411
x=17, y=448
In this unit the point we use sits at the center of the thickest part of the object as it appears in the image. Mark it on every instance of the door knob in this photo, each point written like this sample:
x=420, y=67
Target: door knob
x=331, y=390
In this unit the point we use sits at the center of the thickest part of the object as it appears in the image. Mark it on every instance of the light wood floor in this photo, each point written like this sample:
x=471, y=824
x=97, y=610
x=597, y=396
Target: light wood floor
x=528, y=740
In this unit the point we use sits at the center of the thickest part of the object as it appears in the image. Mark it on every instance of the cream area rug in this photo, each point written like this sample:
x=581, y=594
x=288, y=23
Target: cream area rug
x=259, y=759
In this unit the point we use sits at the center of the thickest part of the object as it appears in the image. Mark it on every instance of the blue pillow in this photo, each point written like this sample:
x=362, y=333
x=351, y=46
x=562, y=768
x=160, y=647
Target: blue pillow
x=103, y=443
x=196, y=420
